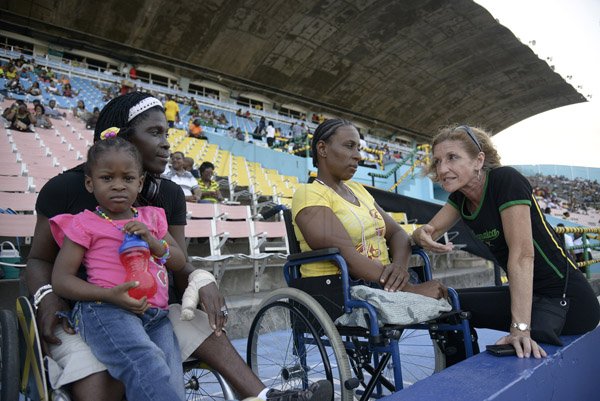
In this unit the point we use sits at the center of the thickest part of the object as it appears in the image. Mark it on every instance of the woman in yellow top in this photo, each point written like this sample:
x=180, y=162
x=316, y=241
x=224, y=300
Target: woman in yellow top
x=336, y=212
x=209, y=189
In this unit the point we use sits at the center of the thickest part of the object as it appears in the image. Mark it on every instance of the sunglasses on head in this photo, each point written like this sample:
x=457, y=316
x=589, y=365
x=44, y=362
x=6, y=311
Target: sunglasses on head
x=467, y=129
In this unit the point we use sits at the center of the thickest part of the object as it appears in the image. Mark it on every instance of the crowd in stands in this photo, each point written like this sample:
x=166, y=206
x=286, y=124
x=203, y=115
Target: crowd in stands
x=38, y=82
x=576, y=200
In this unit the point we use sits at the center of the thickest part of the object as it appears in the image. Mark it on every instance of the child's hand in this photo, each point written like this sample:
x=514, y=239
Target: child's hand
x=139, y=228
x=118, y=295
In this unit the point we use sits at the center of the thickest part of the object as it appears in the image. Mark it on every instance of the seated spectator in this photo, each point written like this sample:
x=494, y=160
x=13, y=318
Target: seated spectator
x=194, y=109
x=222, y=119
x=67, y=91
x=52, y=88
x=209, y=188
x=20, y=118
x=53, y=112
x=42, y=120
x=92, y=119
x=178, y=174
x=80, y=111
x=188, y=164
x=239, y=134
x=195, y=129
x=14, y=85
x=34, y=89
x=10, y=72
x=239, y=113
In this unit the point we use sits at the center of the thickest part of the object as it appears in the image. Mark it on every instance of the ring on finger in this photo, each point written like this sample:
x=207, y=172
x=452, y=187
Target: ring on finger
x=224, y=311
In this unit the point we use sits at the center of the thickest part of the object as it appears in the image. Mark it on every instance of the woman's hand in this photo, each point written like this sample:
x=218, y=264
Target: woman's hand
x=524, y=345
x=394, y=277
x=423, y=236
x=47, y=320
x=212, y=303
x=432, y=289
x=119, y=296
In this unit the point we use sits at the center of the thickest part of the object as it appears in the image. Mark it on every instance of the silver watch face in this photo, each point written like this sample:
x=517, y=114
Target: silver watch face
x=521, y=326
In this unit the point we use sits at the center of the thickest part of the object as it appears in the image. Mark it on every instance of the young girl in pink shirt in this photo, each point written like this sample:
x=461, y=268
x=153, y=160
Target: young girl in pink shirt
x=132, y=337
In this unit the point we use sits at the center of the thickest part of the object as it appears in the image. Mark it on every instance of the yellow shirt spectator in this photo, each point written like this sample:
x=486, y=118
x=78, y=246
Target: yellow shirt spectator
x=171, y=110
x=364, y=223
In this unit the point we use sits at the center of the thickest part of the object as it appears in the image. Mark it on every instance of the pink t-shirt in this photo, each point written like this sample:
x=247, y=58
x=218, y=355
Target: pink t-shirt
x=102, y=241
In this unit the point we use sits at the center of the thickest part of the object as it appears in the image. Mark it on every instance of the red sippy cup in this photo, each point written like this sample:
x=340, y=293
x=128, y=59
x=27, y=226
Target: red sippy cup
x=134, y=254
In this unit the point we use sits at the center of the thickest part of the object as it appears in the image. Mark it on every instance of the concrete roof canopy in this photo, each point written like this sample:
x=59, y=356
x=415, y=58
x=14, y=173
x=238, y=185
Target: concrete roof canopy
x=409, y=66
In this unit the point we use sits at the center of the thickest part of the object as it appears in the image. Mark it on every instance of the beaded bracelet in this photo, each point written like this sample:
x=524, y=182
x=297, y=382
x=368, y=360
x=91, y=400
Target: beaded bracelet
x=161, y=260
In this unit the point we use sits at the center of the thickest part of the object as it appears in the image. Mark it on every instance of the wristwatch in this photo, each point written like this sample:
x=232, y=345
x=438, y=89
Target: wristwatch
x=520, y=326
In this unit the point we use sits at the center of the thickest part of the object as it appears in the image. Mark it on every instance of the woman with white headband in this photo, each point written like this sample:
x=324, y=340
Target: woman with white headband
x=140, y=119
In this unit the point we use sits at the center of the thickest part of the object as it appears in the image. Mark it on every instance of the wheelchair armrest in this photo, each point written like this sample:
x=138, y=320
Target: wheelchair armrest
x=313, y=254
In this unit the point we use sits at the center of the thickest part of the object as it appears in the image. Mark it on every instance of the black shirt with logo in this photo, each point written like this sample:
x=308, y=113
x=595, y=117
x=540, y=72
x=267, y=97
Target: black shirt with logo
x=505, y=187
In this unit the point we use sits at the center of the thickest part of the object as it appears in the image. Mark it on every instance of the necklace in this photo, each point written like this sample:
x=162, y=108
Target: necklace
x=363, y=229
x=347, y=189
x=105, y=217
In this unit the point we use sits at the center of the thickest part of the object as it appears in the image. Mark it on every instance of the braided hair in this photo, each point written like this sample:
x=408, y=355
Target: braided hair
x=116, y=114
x=324, y=131
x=107, y=145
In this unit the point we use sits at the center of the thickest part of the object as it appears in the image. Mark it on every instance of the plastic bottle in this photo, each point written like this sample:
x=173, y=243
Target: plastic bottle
x=134, y=254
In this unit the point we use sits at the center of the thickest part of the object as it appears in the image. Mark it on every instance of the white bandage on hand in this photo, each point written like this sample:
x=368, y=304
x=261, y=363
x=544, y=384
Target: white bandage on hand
x=197, y=279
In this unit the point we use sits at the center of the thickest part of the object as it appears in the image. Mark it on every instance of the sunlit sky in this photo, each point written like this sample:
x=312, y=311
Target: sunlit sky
x=568, y=31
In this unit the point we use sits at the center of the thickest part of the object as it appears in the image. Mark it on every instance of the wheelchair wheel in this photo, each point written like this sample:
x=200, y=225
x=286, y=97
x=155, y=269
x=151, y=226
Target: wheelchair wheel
x=293, y=343
x=204, y=384
x=9, y=357
x=420, y=357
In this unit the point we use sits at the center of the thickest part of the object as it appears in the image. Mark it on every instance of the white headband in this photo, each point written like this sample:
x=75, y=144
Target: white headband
x=142, y=106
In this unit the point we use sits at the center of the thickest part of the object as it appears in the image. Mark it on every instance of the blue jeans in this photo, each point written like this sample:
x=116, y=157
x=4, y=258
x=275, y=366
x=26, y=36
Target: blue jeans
x=140, y=351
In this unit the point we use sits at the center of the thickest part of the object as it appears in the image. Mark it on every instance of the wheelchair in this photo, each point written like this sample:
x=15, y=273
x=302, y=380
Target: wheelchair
x=293, y=340
x=24, y=375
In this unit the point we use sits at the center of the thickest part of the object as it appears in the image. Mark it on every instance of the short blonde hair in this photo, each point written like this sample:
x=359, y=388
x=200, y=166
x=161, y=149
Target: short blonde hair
x=460, y=133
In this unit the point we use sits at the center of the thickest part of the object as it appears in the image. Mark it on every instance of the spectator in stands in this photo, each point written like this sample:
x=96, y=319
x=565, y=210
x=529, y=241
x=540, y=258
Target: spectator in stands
x=568, y=242
x=20, y=117
x=41, y=119
x=496, y=202
x=239, y=113
x=179, y=175
x=270, y=134
x=132, y=72
x=260, y=129
x=67, y=91
x=188, y=164
x=14, y=85
x=195, y=129
x=209, y=188
x=239, y=134
x=52, y=111
x=52, y=89
x=10, y=72
x=336, y=212
x=171, y=111
x=194, y=109
x=34, y=89
x=222, y=119
x=80, y=111
x=91, y=121
x=140, y=119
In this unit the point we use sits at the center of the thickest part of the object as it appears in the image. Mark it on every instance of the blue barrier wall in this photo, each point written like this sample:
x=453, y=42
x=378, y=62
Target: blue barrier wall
x=568, y=373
